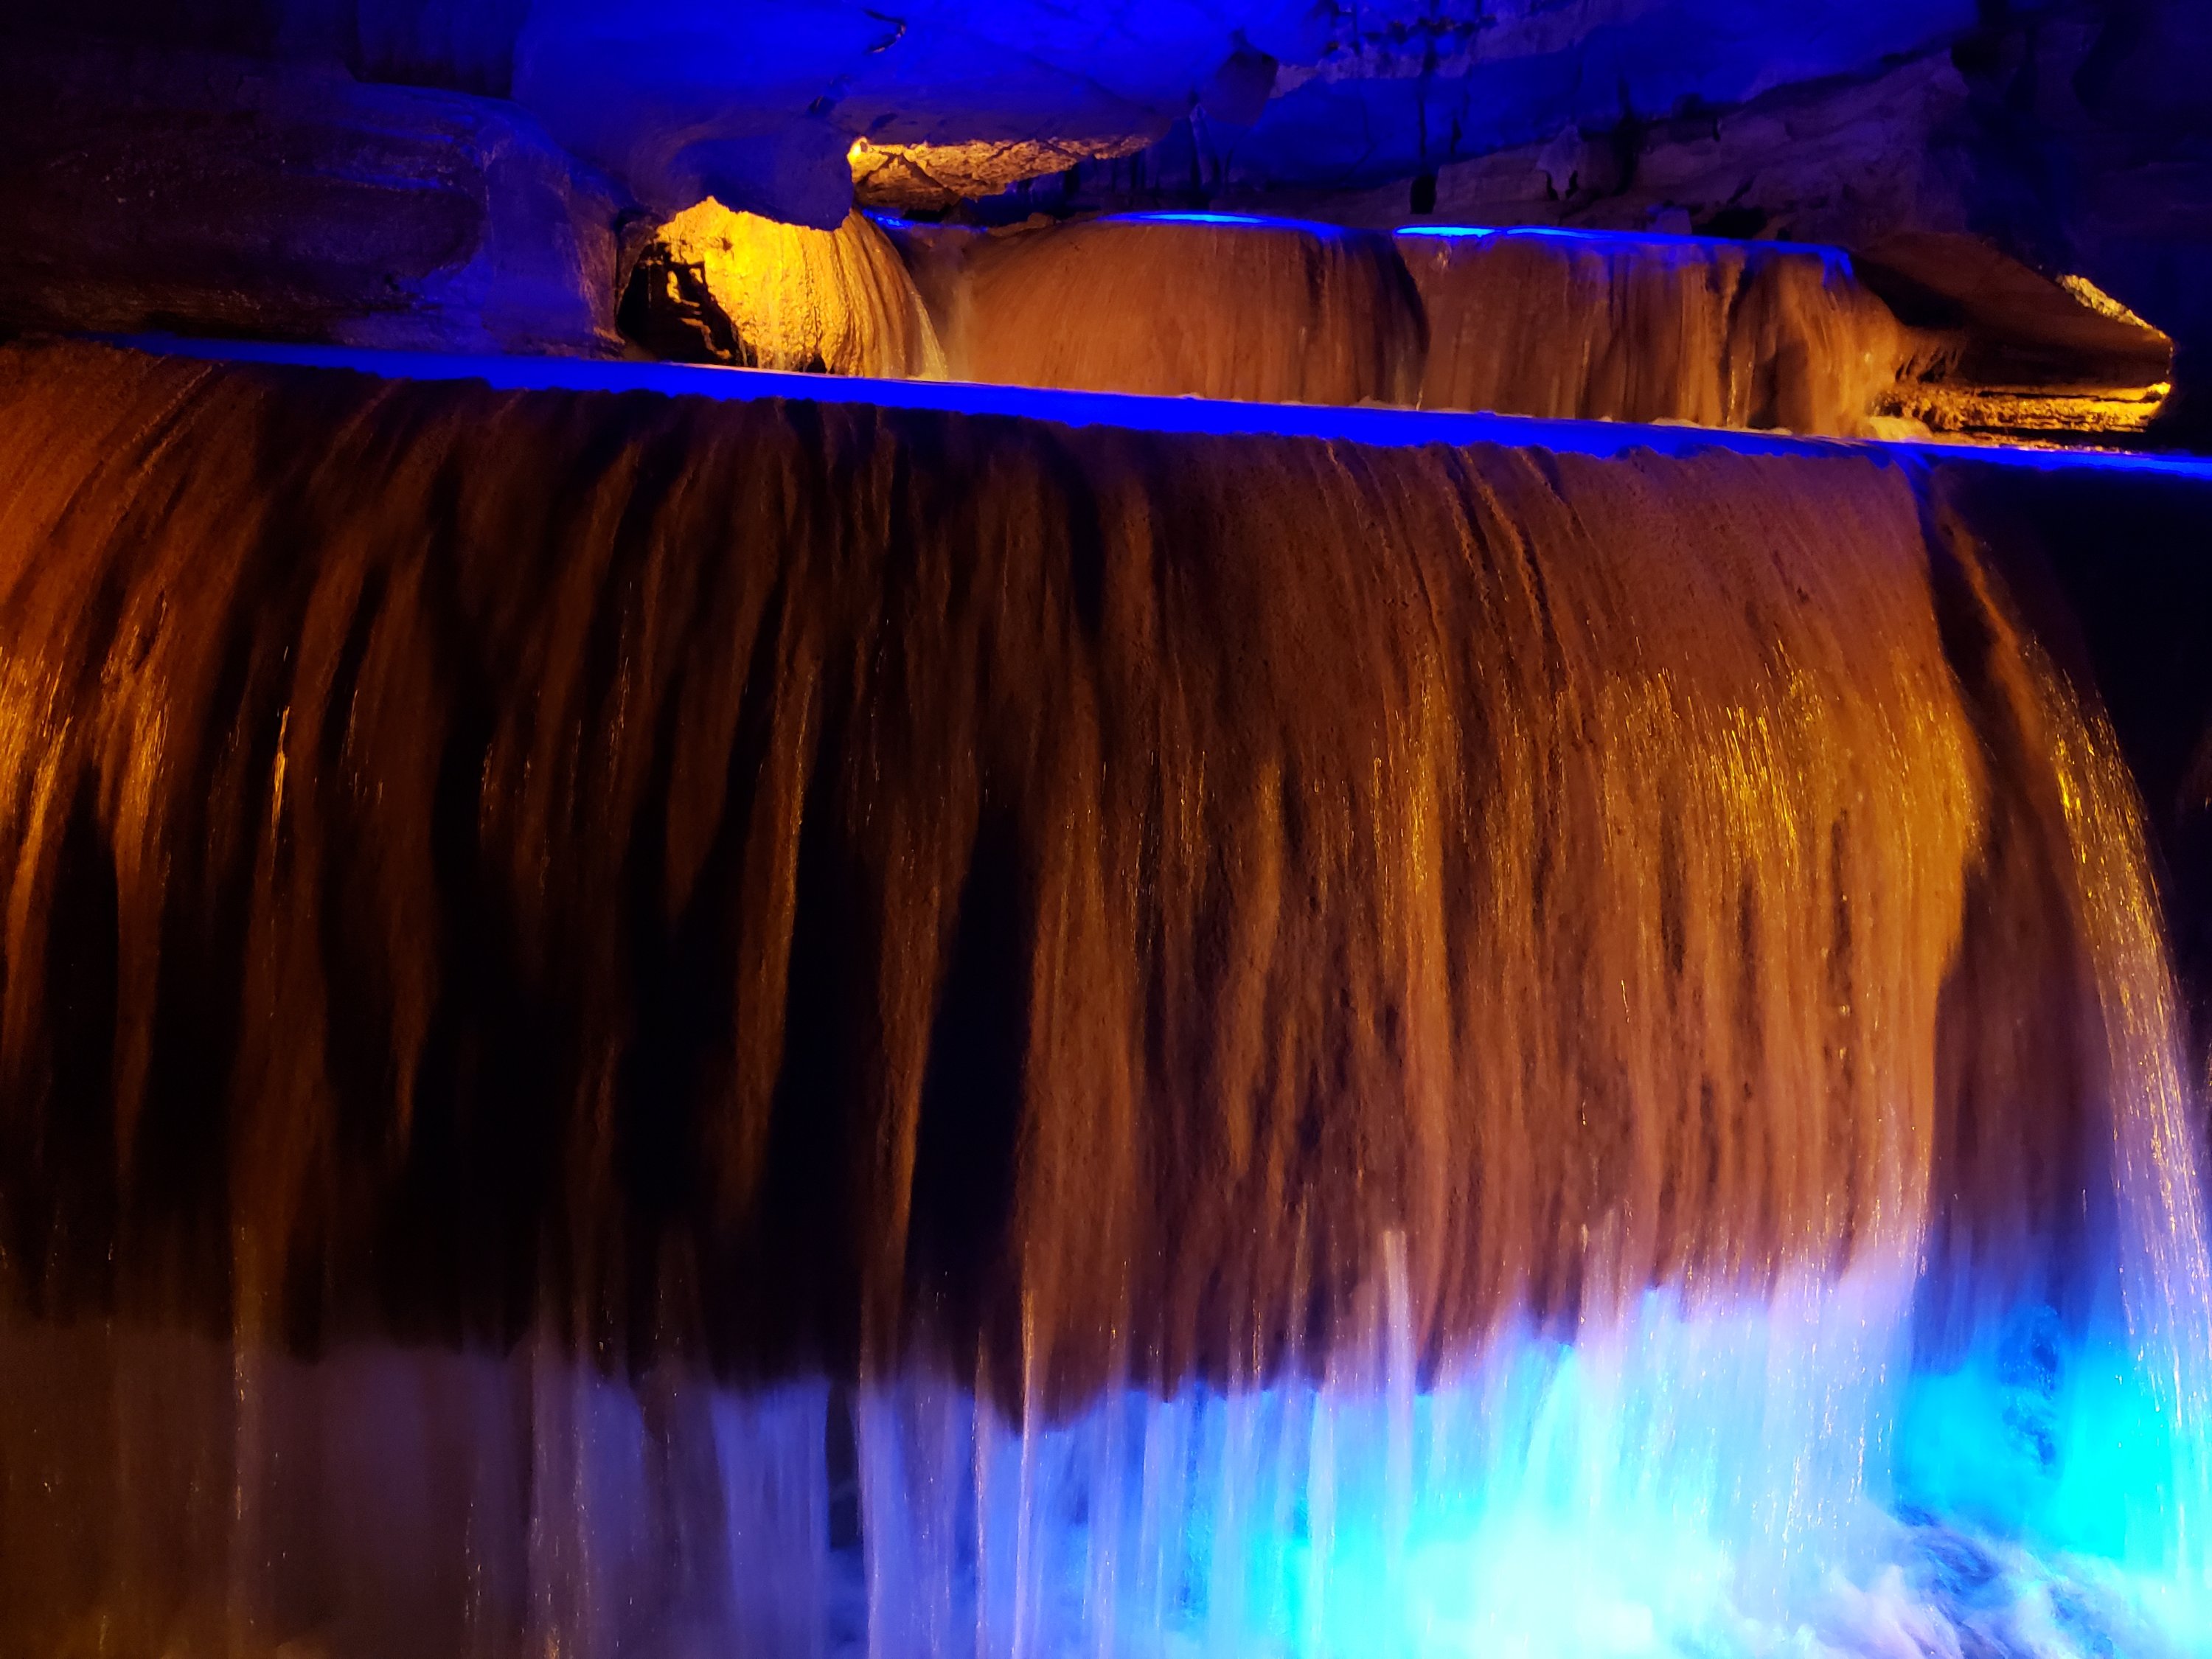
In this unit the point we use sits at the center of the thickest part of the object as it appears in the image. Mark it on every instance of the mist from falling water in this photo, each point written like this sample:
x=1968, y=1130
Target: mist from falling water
x=1337, y=1052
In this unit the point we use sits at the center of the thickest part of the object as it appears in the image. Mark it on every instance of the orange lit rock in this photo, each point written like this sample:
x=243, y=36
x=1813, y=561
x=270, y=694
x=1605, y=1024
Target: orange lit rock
x=936, y=176
x=2028, y=358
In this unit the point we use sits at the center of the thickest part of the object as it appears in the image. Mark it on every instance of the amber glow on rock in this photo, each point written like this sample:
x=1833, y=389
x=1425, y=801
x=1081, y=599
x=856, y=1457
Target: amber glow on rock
x=936, y=176
x=724, y=287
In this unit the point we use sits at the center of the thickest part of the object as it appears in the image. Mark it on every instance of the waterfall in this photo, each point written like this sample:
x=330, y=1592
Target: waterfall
x=632, y=1025
x=1543, y=322
x=714, y=286
x=1616, y=327
x=1172, y=304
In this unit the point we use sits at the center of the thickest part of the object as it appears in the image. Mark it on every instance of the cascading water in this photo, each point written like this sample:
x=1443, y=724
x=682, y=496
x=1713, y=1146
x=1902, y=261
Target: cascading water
x=1608, y=325
x=715, y=285
x=639, y=1026
x=1179, y=305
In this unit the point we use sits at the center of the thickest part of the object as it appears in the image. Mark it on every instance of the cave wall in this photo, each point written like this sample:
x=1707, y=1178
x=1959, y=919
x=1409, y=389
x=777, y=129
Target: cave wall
x=1361, y=94
x=2072, y=135
x=215, y=194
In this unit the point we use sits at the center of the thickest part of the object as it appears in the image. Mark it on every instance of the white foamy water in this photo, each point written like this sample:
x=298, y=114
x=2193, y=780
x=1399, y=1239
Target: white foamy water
x=1727, y=1483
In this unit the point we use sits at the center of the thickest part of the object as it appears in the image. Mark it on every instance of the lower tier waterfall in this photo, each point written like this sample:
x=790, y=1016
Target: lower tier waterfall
x=633, y=1024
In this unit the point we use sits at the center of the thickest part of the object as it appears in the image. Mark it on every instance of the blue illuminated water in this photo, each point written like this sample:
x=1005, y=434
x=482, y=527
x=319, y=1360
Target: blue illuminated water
x=1625, y=240
x=1367, y=426
x=1205, y=219
x=1250, y=220
x=1671, y=1482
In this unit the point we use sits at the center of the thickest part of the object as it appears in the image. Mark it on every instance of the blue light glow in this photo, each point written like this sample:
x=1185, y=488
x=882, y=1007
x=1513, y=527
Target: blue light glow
x=1677, y=1482
x=1189, y=219
x=1243, y=220
x=1674, y=1483
x=1624, y=240
x=1373, y=427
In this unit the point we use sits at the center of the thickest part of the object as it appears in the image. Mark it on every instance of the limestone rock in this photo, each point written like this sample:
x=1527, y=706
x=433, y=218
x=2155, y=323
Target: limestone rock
x=935, y=177
x=1843, y=163
x=974, y=89
x=2071, y=136
x=2029, y=357
x=796, y=172
x=1404, y=86
x=205, y=193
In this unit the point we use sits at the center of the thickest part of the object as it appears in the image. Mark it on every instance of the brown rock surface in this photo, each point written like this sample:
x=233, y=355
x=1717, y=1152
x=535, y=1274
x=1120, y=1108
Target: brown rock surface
x=935, y=177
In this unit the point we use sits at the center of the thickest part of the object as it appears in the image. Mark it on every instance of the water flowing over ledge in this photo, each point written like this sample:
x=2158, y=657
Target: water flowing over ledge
x=1128, y=411
x=859, y=1025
